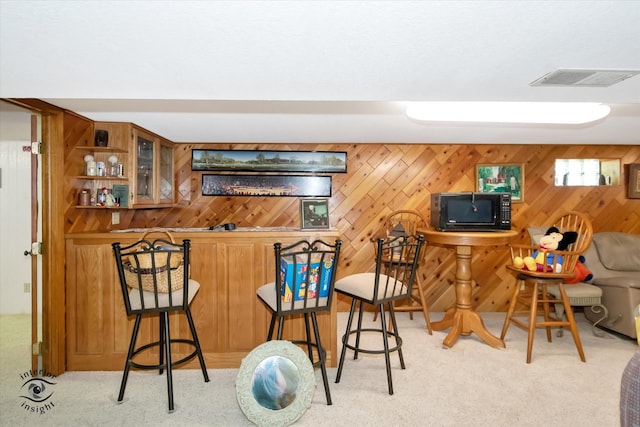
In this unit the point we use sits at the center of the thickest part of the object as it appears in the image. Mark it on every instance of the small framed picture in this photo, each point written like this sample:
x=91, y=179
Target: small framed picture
x=314, y=213
x=501, y=178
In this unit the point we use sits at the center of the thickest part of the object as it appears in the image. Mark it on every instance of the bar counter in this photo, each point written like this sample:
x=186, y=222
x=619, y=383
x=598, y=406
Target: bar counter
x=229, y=265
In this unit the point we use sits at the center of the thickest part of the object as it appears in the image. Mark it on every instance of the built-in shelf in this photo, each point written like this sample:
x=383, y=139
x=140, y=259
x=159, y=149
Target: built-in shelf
x=100, y=149
x=103, y=178
x=101, y=207
x=145, y=157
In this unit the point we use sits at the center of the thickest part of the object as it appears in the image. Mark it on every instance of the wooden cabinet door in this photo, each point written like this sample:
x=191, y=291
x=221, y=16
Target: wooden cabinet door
x=144, y=155
x=165, y=173
x=152, y=159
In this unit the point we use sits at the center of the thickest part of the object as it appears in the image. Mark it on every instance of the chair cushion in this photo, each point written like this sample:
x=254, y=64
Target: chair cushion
x=579, y=294
x=361, y=286
x=163, y=297
x=267, y=293
x=618, y=251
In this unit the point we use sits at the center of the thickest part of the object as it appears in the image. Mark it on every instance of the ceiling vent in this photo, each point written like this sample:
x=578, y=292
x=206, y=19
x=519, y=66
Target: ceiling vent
x=584, y=78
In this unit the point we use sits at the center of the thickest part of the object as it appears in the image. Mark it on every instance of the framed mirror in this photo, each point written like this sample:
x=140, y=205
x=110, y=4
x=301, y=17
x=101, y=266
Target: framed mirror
x=275, y=384
x=587, y=172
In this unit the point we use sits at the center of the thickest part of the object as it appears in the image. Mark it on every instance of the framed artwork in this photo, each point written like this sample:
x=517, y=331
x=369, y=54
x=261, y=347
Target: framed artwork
x=269, y=161
x=260, y=395
x=634, y=181
x=501, y=178
x=314, y=213
x=121, y=193
x=266, y=185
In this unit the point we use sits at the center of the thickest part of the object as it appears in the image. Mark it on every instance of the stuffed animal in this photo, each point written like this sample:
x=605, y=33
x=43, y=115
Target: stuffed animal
x=581, y=273
x=553, y=240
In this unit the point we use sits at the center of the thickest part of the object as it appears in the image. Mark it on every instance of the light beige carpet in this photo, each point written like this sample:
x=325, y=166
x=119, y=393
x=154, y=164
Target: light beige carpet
x=470, y=384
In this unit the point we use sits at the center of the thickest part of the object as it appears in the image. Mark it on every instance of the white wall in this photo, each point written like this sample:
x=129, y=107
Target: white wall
x=15, y=210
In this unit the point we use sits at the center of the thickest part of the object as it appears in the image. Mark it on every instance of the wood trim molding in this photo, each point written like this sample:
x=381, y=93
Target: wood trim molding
x=53, y=272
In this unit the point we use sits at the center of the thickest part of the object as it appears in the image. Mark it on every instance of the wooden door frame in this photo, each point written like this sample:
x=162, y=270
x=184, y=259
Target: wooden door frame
x=53, y=256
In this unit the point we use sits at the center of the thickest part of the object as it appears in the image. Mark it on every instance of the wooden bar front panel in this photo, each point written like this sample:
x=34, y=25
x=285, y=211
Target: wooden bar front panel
x=230, y=320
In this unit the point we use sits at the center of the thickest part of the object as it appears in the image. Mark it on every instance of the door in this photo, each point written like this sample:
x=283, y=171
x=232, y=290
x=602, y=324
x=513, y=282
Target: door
x=19, y=222
x=36, y=261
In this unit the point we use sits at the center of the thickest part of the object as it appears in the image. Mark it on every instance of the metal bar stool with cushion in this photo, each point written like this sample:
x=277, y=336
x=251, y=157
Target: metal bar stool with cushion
x=154, y=279
x=396, y=263
x=305, y=274
x=532, y=287
x=408, y=222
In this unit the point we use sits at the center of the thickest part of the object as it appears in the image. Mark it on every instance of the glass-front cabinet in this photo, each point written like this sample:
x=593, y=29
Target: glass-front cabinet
x=153, y=162
x=165, y=187
x=144, y=176
x=134, y=169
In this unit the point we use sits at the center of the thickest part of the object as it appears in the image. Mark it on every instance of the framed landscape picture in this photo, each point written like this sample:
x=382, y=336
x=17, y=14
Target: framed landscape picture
x=269, y=161
x=501, y=178
x=266, y=185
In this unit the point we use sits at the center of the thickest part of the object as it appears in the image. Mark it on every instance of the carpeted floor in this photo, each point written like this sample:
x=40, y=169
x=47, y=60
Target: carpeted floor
x=469, y=384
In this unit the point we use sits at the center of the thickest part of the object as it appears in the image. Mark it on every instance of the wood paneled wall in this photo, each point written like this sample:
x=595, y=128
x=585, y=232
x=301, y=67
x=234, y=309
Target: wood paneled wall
x=382, y=178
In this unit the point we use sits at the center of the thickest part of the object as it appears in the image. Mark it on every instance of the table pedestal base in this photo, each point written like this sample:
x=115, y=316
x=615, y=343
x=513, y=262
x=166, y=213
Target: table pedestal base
x=464, y=322
x=462, y=319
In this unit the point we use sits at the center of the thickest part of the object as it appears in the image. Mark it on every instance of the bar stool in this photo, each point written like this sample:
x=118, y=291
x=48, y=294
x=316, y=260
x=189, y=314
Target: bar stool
x=396, y=263
x=408, y=222
x=154, y=279
x=304, y=281
x=532, y=287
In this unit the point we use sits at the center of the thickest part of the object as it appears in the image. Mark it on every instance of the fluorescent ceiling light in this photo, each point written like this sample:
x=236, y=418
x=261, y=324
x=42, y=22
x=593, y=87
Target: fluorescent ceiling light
x=573, y=113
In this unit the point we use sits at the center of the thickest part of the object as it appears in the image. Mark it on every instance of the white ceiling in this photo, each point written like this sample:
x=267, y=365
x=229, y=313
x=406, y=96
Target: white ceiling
x=319, y=71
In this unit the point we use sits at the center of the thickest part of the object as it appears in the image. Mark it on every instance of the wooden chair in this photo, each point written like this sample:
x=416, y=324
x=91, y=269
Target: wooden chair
x=154, y=280
x=304, y=282
x=408, y=222
x=580, y=294
x=392, y=281
x=531, y=288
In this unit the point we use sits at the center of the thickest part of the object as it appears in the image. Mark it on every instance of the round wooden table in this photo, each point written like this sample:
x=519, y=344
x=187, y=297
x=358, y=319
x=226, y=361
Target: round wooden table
x=461, y=318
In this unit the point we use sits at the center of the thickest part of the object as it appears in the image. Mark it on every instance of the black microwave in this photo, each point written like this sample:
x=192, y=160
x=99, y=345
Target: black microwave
x=471, y=211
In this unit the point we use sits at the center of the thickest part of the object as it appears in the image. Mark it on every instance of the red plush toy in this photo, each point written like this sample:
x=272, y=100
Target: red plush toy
x=581, y=273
